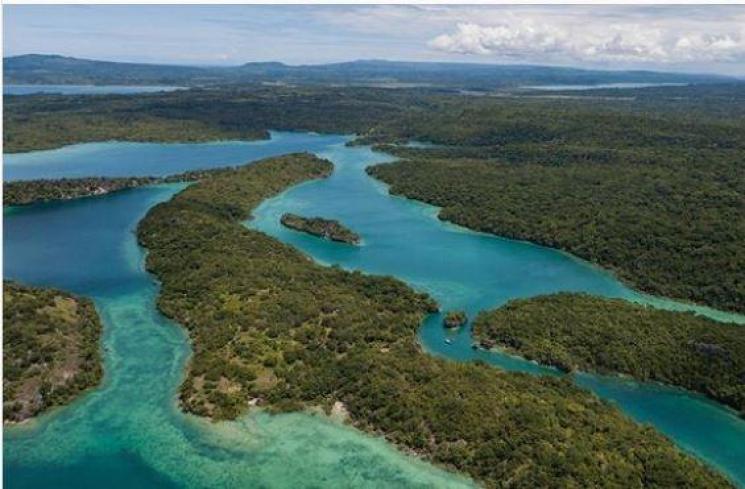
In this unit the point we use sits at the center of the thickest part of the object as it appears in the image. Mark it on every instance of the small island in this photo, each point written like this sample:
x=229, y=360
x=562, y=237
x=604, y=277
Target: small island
x=454, y=319
x=323, y=228
x=51, y=349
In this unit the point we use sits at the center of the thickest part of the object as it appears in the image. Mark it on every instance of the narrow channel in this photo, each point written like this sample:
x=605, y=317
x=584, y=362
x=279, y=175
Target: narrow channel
x=87, y=246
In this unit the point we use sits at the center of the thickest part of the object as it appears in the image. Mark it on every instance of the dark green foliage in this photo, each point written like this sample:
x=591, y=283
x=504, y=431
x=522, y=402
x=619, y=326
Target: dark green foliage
x=674, y=229
x=51, y=349
x=577, y=331
x=267, y=323
x=51, y=121
x=32, y=191
x=318, y=226
x=24, y=192
x=651, y=188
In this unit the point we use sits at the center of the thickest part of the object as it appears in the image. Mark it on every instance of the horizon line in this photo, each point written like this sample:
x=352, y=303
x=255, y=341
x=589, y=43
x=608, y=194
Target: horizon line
x=361, y=60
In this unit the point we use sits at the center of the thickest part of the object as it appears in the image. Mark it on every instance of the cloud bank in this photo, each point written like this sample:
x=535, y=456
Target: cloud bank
x=522, y=38
x=702, y=38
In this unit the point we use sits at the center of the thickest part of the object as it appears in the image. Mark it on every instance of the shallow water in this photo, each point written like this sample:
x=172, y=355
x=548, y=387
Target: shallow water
x=472, y=271
x=129, y=433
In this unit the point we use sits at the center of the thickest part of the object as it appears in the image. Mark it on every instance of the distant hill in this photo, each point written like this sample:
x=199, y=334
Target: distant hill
x=53, y=69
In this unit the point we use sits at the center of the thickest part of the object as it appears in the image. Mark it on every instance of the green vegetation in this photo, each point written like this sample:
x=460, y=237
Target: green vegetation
x=454, y=319
x=33, y=191
x=26, y=192
x=269, y=326
x=673, y=229
x=318, y=226
x=658, y=198
x=51, y=349
x=577, y=331
x=51, y=121
x=650, y=188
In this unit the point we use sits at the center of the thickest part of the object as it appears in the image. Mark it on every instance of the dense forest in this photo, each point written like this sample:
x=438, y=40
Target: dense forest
x=26, y=192
x=323, y=228
x=51, y=349
x=657, y=197
x=669, y=229
x=50, y=121
x=581, y=332
x=648, y=184
x=270, y=327
x=582, y=127
x=44, y=190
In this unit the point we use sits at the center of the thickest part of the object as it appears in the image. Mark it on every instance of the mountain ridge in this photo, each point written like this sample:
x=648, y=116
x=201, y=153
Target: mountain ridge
x=58, y=69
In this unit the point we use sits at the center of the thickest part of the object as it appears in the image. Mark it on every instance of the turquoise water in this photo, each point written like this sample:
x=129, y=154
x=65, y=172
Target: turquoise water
x=129, y=432
x=84, y=89
x=472, y=271
x=117, y=159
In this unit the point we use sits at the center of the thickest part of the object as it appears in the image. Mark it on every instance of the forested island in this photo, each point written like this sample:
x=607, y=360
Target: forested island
x=270, y=327
x=454, y=319
x=51, y=349
x=582, y=332
x=323, y=228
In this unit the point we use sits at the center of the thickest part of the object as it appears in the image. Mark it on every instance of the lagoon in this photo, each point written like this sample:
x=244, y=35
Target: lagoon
x=131, y=426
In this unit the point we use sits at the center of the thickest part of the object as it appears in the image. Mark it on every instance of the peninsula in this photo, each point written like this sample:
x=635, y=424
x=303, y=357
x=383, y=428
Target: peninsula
x=51, y=349
x=582, y=332
x=271, y=328
x=27, y=192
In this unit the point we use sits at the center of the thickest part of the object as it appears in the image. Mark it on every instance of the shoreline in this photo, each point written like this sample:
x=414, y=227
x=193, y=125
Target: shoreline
x=711, y=312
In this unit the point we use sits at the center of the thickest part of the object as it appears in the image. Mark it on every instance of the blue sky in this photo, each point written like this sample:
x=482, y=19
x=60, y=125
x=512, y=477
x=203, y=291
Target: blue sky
x=674, y=38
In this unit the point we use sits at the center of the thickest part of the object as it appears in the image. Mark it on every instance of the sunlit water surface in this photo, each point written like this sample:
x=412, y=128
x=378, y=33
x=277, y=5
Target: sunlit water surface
x=129, y=432
x=85, y=89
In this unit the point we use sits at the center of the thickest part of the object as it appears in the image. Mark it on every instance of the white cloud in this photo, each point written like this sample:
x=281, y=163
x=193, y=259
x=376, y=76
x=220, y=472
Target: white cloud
x=708, y=38
x=586, y=38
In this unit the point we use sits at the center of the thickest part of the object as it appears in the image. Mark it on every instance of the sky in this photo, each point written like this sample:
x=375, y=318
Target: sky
x=668, y=38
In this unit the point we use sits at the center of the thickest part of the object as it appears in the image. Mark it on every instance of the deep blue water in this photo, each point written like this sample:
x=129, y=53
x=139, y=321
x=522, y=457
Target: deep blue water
x=130, y=429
